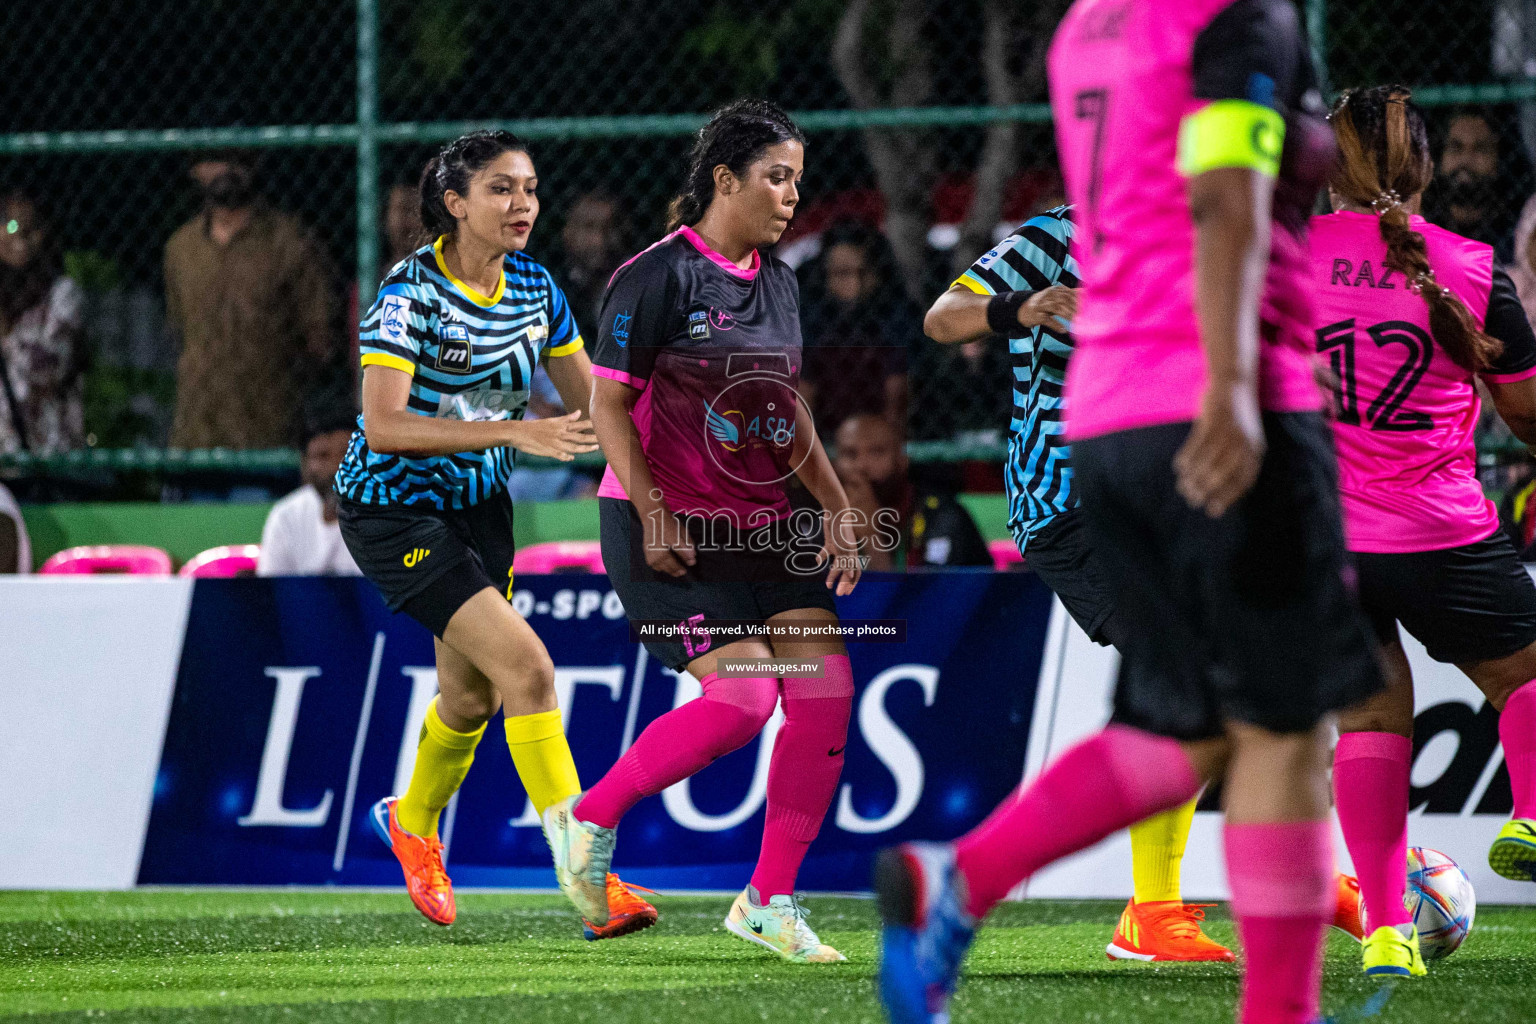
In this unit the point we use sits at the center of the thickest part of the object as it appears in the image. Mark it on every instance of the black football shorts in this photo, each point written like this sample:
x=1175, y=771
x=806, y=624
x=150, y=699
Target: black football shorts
x=1248, y=617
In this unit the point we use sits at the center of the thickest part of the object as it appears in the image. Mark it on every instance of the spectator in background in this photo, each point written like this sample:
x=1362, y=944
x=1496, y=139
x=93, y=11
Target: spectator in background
x=1478, y=181
x=42, y=351
x=15, y=547
x=595, y=241
x=856, y=324
x=252, y=299
x=962, y=391
x=933, y=527
x=302, y=536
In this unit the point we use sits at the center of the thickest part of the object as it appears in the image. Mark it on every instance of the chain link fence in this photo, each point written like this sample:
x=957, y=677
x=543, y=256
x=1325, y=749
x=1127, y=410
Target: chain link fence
x=929, y=139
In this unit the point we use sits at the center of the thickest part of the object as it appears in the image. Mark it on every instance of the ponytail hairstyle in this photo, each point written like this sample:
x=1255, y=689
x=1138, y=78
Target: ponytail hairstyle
x=735, y=136
x=451, y=170
x=1384, y=159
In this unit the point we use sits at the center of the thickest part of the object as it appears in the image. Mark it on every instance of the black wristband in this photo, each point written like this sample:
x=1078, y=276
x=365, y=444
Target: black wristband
x=1003, y=313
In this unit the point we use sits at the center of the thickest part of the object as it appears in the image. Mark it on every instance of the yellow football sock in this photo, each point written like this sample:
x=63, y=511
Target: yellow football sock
x=443, y=757
x=542, y=758
x=1157, y=853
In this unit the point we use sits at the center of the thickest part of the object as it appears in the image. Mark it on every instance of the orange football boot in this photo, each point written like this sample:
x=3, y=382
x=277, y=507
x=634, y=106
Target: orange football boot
x=1165, y=931
x=627, y=911
x=422, y=861
x=1349, y=914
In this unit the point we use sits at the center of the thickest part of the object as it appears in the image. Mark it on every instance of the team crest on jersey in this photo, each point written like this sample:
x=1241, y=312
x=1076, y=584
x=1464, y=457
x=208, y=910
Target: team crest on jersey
x=698, y=324
x=394, y=317
x=453, y=348
x=621, y=322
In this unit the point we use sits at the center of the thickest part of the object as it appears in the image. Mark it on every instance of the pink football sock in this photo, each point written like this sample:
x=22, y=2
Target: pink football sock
x=1283, y=898
x=1370, y=780
x=681, y=742
x=802, y=777
x=1097, y=787
x=1517, y=731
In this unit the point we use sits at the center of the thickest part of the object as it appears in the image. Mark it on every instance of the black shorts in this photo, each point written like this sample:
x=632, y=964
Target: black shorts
x=428, y=563
x=741, y=578
x=1246, y=617
x=1468, y=604
x=1059, y=553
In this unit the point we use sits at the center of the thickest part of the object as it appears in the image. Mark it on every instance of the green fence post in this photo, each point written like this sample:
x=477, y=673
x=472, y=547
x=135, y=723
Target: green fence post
x=1317, y=30
x=367, y=152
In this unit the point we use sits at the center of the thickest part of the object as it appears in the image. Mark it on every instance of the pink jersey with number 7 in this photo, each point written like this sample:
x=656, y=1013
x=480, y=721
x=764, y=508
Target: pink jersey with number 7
x=1123, y=75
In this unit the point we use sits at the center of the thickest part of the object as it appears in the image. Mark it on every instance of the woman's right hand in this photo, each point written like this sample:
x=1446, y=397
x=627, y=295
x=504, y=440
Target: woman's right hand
x=559, y=437
x=668, y=548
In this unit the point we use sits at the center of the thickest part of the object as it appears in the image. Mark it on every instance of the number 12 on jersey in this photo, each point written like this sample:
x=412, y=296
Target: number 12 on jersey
x=1385, y=411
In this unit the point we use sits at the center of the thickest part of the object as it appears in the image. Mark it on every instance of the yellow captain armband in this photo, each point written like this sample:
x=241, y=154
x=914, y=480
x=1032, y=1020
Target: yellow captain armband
x=569, y=348
x=393, y=362
x=1231, y=133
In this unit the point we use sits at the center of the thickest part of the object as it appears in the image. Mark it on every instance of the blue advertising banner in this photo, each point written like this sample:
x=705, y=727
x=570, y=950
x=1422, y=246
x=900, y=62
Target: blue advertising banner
x=298, y=701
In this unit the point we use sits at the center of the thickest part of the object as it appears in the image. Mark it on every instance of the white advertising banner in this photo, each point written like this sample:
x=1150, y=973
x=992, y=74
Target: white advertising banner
x=1457, y=806
x=87, y=668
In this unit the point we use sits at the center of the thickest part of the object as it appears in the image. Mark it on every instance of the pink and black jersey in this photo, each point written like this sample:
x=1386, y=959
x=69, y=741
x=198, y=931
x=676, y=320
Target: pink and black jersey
x=1405, y=413
x=1123, y=75
x=715, y=353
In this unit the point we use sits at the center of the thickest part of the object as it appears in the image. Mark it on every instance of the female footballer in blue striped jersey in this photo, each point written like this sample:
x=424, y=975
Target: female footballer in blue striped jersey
x=1025, y=289
x=448, y=351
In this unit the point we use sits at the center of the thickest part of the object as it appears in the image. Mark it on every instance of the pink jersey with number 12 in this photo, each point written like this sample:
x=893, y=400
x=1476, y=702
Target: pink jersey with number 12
x=1405, y=413
x=1121, y=83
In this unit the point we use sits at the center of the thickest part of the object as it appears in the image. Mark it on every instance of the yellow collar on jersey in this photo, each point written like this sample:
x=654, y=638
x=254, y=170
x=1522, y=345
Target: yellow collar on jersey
x=469, y=293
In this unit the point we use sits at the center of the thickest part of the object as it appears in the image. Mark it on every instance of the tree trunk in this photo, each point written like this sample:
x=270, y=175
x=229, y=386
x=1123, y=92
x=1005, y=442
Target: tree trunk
x=903, y=160
x=999, y=153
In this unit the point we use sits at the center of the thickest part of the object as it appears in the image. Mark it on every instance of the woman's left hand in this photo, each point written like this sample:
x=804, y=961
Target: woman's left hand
x=840, y=548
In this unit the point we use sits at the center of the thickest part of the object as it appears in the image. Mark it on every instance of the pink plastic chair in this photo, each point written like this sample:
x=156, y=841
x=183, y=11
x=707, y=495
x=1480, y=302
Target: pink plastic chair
x=1005, y=555
x=222, y=562
x=560, y=556
x=127, y=559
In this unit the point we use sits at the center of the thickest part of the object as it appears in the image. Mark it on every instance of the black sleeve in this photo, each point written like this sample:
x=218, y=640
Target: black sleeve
x=1506, y=321
x=637, y=319
x=1254, y=50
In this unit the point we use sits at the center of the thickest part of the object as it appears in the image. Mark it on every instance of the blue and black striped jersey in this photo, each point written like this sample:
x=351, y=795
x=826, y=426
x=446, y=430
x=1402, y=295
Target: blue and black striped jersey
x=1039, y=471
x=470, y=357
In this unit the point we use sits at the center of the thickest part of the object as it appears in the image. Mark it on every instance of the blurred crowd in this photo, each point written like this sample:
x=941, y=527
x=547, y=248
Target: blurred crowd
x=261, y=322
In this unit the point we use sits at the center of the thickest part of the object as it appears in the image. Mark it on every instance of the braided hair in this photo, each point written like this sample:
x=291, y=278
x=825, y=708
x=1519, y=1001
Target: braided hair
x=451, y=170
x=1383, y=158
x=735, y=136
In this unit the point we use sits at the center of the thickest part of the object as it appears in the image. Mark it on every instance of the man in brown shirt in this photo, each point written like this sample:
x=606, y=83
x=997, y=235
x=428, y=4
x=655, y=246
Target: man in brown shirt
x=251, y=296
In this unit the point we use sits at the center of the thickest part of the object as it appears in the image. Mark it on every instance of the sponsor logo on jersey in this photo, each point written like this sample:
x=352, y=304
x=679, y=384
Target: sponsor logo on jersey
x=415, y=556
x=721, y=319
x=621, y=322
x=453, y=348
x=538, y=332
x=394, y=317
x=698, y=325
x=734, y=431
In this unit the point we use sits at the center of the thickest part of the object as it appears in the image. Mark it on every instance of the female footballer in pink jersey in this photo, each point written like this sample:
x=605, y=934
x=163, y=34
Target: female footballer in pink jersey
x=1192, y=145
x=693, y=401
x=1408, y=315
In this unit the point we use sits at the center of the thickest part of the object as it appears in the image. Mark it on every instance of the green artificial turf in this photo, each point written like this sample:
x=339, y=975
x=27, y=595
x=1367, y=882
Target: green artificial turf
x=334, y=956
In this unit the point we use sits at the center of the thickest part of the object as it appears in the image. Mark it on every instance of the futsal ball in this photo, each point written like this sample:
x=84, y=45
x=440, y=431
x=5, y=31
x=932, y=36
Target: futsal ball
x=1441, y=900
